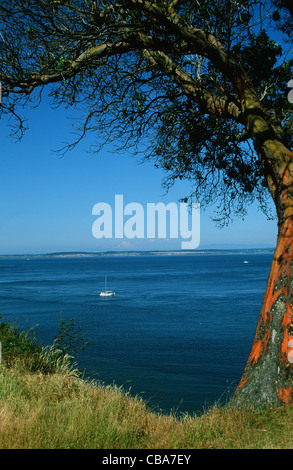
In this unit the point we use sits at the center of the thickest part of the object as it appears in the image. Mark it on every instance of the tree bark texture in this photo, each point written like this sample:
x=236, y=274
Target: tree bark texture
x=268, y=375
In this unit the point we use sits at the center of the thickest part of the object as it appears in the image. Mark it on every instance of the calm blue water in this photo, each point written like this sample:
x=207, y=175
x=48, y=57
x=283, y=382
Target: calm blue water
x=178, y=332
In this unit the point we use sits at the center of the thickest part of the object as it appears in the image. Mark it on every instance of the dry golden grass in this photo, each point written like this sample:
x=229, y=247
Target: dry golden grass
x=44, y=404
x=60, y=410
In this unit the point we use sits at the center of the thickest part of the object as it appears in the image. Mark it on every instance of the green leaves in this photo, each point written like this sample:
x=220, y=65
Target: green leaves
x=69, y=340
x=62, y=61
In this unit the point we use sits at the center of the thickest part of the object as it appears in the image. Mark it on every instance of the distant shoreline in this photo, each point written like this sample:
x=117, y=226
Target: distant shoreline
x=140, y=253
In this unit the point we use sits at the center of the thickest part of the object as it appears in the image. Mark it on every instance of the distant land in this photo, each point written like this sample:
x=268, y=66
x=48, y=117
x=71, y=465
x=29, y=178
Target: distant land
x=141, y=253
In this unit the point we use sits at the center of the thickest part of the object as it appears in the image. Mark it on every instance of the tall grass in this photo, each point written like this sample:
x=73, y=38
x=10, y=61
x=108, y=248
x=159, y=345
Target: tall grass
x=45, y=404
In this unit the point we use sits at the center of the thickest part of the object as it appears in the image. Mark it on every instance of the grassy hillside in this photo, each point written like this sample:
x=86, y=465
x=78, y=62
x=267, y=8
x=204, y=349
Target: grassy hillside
x=44, y=404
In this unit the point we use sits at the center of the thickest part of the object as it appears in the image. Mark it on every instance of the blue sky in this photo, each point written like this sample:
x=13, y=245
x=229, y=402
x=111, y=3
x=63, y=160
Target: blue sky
x=46, y=201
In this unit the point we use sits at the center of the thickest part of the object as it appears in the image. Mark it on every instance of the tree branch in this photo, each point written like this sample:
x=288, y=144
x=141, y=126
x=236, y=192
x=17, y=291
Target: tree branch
x=211, y=103
x=75, y=66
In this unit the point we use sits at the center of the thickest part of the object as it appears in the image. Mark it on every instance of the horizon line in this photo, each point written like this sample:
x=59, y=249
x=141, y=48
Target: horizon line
x=125, y=252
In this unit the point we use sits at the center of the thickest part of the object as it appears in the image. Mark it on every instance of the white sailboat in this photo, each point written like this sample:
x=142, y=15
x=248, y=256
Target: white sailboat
x=107, y=293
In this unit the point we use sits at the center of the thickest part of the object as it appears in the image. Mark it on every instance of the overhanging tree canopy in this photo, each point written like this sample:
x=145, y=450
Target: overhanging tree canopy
x=206, y=84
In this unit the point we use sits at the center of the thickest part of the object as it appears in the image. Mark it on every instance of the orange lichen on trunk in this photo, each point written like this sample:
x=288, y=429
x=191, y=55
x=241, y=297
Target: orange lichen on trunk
x=273, y=341
x=284, y=394
x=242, y=382
x=255, y=352
x=278, y=284
x=278, y=287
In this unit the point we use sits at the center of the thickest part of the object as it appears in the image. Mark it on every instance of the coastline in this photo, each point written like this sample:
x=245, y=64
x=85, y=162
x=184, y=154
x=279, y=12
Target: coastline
x=139, y=253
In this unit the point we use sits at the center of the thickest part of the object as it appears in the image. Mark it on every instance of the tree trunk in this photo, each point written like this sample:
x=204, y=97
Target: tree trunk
x=268, y=376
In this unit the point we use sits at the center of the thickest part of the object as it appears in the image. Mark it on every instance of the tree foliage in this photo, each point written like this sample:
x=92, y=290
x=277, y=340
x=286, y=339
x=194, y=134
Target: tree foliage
x=169, y=78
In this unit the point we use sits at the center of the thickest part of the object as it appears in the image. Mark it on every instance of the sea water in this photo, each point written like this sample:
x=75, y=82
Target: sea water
x=177, y=333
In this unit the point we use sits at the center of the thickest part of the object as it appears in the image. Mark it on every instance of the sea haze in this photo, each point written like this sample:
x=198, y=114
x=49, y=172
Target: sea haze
x=178, y=331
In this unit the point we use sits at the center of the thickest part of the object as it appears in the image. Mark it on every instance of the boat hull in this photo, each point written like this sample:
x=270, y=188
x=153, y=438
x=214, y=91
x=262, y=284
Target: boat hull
x=107, y=294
